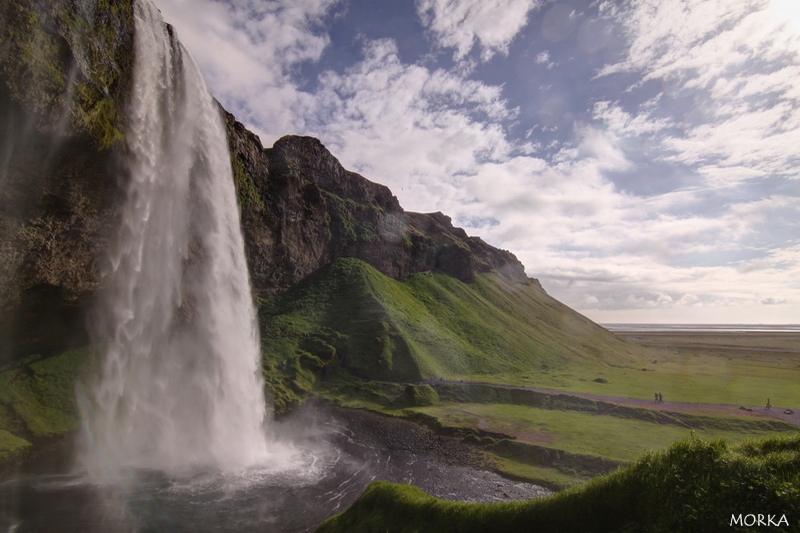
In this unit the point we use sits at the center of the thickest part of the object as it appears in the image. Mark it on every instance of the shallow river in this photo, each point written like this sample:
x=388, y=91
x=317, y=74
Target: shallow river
x=330, y=467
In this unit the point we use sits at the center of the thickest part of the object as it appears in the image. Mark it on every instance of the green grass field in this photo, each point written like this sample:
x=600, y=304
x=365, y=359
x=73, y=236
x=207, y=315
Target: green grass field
x=737, y=374
x=699, y=376
x=348, y=315
x=607, y=436
x=554, y=439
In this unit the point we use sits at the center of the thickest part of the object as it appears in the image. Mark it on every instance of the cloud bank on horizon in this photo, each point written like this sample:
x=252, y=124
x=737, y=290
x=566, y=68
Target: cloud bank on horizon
x=639, y=157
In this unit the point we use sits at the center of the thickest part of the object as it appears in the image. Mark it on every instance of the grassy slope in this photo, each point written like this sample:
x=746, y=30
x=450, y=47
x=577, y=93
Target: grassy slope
x=431, y=325
x=37, y=400
x=348, y=319
x=695, y=485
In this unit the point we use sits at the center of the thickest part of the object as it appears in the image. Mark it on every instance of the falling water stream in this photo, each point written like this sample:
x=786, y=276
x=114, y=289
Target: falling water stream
x=175, y=434
x=180, y=385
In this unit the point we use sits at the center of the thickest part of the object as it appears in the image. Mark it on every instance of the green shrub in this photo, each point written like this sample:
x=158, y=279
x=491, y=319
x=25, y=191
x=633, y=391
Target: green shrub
x=420, y=396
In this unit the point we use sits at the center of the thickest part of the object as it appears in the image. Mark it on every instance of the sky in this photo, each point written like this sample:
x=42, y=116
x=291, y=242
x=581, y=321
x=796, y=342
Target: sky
x=639, y=157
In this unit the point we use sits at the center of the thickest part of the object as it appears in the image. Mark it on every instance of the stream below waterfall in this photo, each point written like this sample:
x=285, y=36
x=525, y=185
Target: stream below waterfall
x=333, y=464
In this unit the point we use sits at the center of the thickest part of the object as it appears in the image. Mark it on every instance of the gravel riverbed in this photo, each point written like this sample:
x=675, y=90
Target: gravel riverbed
x=440, y=465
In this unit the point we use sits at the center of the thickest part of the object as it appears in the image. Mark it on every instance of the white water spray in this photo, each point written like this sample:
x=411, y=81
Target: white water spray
x=181, y=385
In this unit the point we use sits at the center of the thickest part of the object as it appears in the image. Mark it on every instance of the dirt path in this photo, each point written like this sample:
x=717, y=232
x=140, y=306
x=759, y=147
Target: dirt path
x=680, y=407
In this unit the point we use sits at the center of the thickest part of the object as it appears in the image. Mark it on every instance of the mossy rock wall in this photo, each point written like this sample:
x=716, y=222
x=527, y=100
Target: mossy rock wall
x=37, y=400
x=65, y=70
x=68, y=64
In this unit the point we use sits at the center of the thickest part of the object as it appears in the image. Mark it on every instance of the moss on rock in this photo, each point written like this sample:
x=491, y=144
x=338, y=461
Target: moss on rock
x=69, y=64
x=37, y=399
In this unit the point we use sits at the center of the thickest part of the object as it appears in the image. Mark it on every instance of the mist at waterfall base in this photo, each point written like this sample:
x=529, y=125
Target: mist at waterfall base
x=175, y=435
x=48, y=495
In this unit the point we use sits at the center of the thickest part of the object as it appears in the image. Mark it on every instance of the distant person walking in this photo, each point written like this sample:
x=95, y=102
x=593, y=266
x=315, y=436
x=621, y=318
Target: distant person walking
x=769, y=405
x=660, y=398
x=656, y=396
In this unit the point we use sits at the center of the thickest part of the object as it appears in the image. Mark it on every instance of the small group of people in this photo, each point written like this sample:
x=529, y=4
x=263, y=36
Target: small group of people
x=659, y=398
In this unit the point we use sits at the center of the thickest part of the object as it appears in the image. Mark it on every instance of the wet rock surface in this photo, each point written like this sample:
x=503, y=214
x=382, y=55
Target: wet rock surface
x=440, y=465
x=397, y=435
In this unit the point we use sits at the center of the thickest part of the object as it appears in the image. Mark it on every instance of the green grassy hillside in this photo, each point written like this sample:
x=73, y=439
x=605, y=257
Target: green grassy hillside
x=350, y=316
x=37, y=400
x=695, y=485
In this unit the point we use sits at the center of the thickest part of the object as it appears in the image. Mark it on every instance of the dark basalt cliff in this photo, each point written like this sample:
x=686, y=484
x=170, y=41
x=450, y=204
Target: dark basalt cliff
x=301, y=210
x=65, y=72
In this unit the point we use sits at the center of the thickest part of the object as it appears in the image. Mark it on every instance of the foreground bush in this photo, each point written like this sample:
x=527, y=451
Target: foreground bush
x=695, y=485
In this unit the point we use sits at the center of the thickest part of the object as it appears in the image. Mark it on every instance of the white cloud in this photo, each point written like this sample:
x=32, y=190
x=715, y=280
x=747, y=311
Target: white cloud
x=461, y=24
x=623, y=123
x=710, y=294
x=674, y=36
x=409, y=127
x=602, y=148
x=247, y=51
x=690, y=300
x=435, y=137
x=590, y=302
x=786, y=12
x=736, y=64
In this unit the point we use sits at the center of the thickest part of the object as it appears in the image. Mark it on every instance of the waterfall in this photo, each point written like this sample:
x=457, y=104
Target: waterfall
x=180, y=384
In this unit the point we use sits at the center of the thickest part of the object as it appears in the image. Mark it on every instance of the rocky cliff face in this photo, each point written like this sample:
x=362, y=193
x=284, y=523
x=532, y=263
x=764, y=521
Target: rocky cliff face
x=301, y=210
x=64, y=75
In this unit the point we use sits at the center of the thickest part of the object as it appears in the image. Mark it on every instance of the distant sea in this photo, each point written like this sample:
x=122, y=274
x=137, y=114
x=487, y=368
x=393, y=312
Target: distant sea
x=705, y=328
